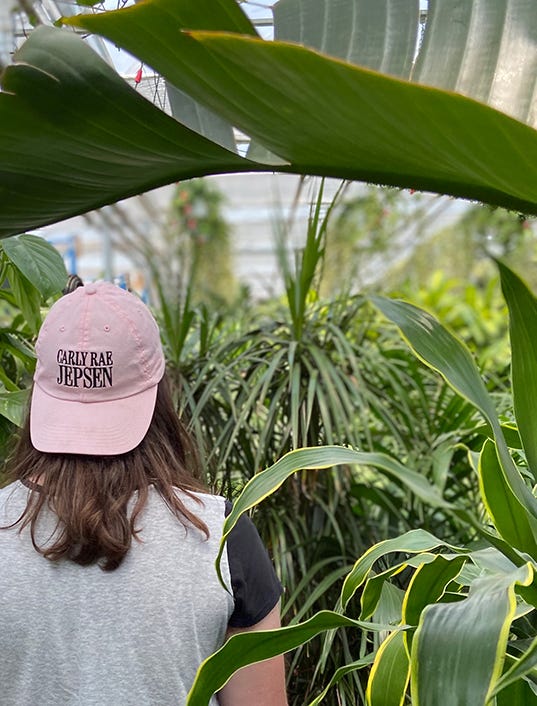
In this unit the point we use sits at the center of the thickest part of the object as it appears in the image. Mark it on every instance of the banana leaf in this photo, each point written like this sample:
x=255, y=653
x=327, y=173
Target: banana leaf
x=74, y=136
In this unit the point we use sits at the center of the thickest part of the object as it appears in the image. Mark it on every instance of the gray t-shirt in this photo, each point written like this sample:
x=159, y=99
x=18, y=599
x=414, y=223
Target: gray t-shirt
x=73, y=635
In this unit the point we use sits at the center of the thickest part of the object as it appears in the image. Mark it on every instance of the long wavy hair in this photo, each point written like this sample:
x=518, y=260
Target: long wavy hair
x=91, y=495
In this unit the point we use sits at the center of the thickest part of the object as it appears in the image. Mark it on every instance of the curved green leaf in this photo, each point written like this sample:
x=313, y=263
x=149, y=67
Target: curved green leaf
x=492, y=561
x=509, y=516
x=458, y=649
x=390, y=673
x=39, y=262
x=523, y=335
x=84, y=139
x=451, y=144
x=429, y=584
x=443, y=352
x=268, y=481
x=372, y=590
x=249, y=647
x=412, y=542
x=75, y=136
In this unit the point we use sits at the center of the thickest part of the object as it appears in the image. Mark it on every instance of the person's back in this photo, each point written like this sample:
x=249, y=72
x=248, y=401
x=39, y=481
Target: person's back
x=76, y=634
x=108, y=589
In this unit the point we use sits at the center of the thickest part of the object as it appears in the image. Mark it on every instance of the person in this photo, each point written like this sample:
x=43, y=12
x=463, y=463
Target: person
x=108, y=590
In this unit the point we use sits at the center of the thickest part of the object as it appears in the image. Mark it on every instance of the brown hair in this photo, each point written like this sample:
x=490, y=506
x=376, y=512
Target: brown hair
x=90, y=495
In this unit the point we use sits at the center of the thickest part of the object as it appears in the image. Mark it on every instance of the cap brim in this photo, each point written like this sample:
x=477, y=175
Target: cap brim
x=90, y=428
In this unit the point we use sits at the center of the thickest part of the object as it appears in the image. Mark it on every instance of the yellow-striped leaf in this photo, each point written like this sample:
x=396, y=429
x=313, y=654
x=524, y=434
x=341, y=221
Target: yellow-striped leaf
x=458, y=649
x=390, y=673
x=249, y=647
x=268, y=481
x=443, y=352
x=509, y=516
x=523, y=335
x=412, y=542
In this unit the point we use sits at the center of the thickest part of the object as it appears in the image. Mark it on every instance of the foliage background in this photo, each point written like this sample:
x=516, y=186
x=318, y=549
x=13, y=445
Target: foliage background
x=309, y=370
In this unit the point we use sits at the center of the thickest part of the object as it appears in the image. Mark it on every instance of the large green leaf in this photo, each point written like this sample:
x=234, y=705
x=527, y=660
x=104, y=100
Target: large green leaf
x=74, y=136
x=412, y=542
x=353, y=123
x=457, y=652
x=522, y=332
x=440, y=349
x=268, y=481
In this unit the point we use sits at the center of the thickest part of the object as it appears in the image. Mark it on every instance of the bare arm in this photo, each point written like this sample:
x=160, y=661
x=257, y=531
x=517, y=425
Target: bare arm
x=263, y=683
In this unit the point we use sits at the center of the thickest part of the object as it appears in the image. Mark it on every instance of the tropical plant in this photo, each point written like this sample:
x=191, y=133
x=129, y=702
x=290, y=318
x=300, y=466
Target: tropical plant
x=32, y=273
x=460, y=628
x=85, y=138
x=305, y=371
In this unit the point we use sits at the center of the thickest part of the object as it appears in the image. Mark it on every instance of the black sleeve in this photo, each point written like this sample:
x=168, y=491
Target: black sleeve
x=256, y=588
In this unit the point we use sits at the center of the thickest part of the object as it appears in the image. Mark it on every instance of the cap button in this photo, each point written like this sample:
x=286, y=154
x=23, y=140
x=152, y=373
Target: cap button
x=90, y=289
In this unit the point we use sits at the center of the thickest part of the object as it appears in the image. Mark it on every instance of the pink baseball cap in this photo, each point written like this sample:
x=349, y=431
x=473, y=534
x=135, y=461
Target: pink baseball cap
x=99, y=362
